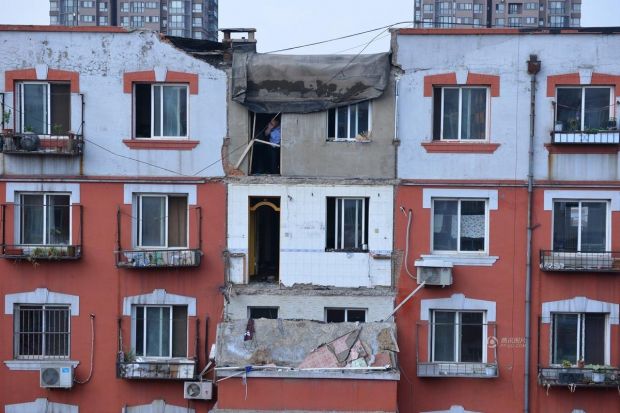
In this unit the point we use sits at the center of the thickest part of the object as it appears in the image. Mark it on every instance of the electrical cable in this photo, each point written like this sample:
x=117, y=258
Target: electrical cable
x=92, y=351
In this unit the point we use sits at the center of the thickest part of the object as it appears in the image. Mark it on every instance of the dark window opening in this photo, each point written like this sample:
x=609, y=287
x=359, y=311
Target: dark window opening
x=142, y=96
x=347, y=224
x=264, y=239
x=264, y=158
x=270, y=313
x=341, y=315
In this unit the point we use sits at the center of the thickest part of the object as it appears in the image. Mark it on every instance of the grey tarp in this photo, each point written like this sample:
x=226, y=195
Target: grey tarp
x=271, y=83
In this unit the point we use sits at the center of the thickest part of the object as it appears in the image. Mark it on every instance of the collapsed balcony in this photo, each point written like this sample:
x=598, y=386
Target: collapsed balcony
x=587, y=376
x=603, y=261
x=40, y=144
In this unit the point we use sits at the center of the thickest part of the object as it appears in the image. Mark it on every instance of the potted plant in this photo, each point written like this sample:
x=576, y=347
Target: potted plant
x=598, y=373
x=6, y=118
x=573, y=125
x=490, y=370
x=30, y=141
x=612, y=124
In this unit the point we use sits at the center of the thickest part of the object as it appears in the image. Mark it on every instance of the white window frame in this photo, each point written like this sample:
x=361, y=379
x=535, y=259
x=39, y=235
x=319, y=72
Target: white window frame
x=580, y=336
x=612, y=99
x=161, y=123
x=457, y=335
x=458, y=250
x=339, y=222
x=138, y=209
x=144, y=333
x=460, y=113
x=17, y=329
x=608, y=226
x=349, y=108
x=45, y=194
x=22, y=102
x=346, y=312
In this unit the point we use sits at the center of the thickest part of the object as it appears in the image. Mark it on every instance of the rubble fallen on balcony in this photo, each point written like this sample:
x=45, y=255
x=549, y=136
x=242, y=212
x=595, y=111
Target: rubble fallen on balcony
x=306, y=348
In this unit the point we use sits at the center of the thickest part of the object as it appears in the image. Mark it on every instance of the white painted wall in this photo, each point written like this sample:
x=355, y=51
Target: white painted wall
x=101, y=59
x=302, y=234
x=505, y=56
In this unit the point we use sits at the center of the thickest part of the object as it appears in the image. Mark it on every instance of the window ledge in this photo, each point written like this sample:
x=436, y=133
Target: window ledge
x=349, y=140
x=161, y=144
x=32, y=365
x=460, y=147
x=464, y=260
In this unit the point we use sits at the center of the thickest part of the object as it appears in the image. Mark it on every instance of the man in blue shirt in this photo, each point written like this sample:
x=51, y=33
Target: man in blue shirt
x=275, y=136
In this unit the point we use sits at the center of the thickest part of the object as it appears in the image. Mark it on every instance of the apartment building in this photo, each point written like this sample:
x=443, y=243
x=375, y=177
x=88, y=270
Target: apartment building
x=111, y=239
x=497, y=13
x=519, y=306
x=196, y=19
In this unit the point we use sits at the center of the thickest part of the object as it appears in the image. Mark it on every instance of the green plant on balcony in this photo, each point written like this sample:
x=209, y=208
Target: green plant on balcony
x=57, y=129
x=567, y=363
x=6, y=118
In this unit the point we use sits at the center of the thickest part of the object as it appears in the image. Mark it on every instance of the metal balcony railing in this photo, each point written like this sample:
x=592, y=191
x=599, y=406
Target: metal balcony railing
x=599, y=376
x=163, y=258
x=41, y=252
x=604, y=261
x=166, y=369
x=480, y=370
x=37, y=144
x=599, y=137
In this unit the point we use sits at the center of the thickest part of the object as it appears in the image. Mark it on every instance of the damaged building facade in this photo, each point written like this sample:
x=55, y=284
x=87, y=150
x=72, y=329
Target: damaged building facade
x=110, y=261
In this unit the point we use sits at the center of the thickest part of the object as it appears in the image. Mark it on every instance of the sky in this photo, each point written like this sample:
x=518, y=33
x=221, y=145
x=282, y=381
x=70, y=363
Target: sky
x=287, y=23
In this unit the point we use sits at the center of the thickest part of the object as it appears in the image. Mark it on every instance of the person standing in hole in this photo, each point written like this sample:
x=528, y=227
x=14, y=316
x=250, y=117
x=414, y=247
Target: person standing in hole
x=274, y=133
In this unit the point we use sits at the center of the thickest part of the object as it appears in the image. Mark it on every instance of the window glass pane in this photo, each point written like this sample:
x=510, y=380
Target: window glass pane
x=565, y=338
x=593, y=226
x=35, y=108
x=341, y=131
x=58, y=219
x=30, y=329
x=356, y=316
x=157, y=111
x=472, y=225
x=569, y=109
x=565, y=226
x=352, y=121
x=474, y=113
x=445, y=225
x=471, y=337
x=177, y=221
x=450, y=113
x=363, y=113
x=139, y=331
x=352, y=223
x=597, y=108
x=179, y=331
x=158, y=331
x=32, y=219
x=56, y=329
x=61, y=108
x=143, y=110
x=331, y=123
x=594, y=352
x=153, y=219
x=335, y=315
x=443, y=337
x=175, y=111
x=437, y=113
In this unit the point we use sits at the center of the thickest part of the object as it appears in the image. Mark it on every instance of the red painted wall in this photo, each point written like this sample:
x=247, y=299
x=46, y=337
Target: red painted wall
x=101, y=288
x=503, y=283
x=308, y=394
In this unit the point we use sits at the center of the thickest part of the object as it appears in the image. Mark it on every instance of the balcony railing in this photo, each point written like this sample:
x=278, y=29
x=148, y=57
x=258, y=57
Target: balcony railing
x=428, y=368
x=166, y=369
x=158, y=258
x=36, y=144
x=579, y=377
x=604, y=261
x=611, y=137
x=42, y=252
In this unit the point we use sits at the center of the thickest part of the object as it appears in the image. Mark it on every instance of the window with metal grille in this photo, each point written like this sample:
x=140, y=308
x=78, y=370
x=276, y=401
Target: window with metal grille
x=347, y=224
x=41, y=331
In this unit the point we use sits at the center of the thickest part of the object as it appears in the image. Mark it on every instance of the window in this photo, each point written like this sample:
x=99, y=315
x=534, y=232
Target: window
x=530, y=20
x=583, y=108
x=348, y=315
x=177, y=21
x=500, y=8
x=347, y=122
x=176, y=6
x=428, y=8
x=576, y=7
x=347, y=224
x=197, y=35
x=160, y=110
x=159, y=331
x=556, y=7
x=463, y=20
x=44, y=107
x=44, y=219
x=162, y=221
x=580, y=226
x=197, y=21
x=53, y=5
x=515, y=8
x=152, y=19
x=464, y=6
x=176, y=32
x=476, y=22
x=103, y=20
x=197, y=8
x=137, y=7
x=500, y=22
x=575, y=22
x=445, y=6
x=103, y=6
x=426, y=23
x=137, y=21
x=460, y=225
x=458, y=336
x=88, y=4
x=445, y=22
x=53, y=20
x=514, y=21
x=270, y=313
x=125, y=7
x=579, y=336
x=151, y=5
x=477, y=8
x=460, y=113
x=41, y=331
x=87, y=19
x=531, y=6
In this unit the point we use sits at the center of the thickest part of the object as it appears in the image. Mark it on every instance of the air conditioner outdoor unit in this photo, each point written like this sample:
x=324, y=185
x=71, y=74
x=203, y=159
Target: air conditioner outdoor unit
x=434, y=272
x=60, y=376
x=202, y=390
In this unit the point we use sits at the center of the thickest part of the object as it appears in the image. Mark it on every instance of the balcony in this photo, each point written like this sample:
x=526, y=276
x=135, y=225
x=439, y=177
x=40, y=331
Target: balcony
x=589, y=376
x=161, y=369
x=163, y=258
x=475, y=370
x=45, y=145
x=598, y=137
x=604, y=261
x=41, y=252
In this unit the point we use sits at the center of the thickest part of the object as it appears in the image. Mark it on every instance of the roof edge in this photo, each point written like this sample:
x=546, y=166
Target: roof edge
x=505, y=31
x=47, y=28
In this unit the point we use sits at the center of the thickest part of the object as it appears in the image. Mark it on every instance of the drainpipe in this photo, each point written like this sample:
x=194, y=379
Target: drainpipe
x=533, y=67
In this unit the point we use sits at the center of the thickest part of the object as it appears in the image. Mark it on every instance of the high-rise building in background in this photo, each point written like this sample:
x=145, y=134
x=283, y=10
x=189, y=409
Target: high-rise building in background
x=497, y=13
x=184, y=18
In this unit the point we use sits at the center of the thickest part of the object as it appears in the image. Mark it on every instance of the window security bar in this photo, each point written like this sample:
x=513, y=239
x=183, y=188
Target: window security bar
x=603, y=261
x=42, y=333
